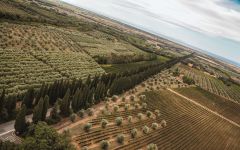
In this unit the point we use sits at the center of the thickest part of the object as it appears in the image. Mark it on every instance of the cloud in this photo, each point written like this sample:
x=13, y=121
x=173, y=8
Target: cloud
x=213, y=17
x=211, y=25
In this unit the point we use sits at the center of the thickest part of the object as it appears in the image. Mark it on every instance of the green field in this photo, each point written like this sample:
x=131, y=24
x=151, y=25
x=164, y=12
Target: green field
x=116, y=68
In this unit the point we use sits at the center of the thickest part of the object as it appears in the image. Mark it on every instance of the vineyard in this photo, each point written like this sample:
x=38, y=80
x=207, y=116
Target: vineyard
x=179, y=125
x=216, y=103
x=211, y=83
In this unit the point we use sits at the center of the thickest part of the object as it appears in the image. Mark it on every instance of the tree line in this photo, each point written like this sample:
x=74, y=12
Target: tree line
x=68, y=96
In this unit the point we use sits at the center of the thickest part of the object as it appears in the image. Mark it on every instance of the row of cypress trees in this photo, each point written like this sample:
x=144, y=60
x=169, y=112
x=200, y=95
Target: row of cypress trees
x=72, y=96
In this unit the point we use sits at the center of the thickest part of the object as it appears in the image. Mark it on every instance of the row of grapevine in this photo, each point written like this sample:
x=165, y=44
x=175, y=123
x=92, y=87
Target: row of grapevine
x=212, y=84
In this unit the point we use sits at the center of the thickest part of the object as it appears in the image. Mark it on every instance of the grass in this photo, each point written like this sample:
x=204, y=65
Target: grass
x=116, y=68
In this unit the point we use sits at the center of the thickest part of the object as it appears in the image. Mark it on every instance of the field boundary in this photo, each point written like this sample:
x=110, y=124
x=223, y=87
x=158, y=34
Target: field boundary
x=207, y=109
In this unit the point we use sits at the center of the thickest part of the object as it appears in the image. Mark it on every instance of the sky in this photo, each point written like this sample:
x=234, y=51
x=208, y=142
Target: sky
x=210, y=25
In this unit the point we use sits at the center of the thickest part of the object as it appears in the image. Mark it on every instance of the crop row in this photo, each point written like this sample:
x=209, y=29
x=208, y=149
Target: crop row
x=212, y=84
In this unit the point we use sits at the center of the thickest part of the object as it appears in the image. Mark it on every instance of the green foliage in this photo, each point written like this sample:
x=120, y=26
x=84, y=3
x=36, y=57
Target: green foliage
x=126, y=107
x=149, y=114
x=152, y=147
x=120, y=138
x=38, y=111
x=134, y=133
x=188, y=80
x=90, y=111
x=132, y=98
x=119, y=121
x=104, y=145
x=81, y=113
x=130, y=119
x=140, y=116
x=73, y=117
x=144, y=105
x=154, y=126
x=87, y=127
x=8, y=146
x=20, y=123
x=28, y=98
x=163, y=123
x=145, y=129
x=176, y=72
x=114, y=98
x=104, y=123
x=46, y=138
x=45, y=107
x=54, y=116
x=115, y=108
x=64, y=107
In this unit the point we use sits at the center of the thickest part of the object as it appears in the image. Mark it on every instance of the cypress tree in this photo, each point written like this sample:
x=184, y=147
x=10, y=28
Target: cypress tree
x=2, y=100
x=88, y=81
x=75, y=103
x=28, y=98
x=20, y=123
x=45, y=107
x=64, y=108
x=11, y=104
x=38, y=110
x=54, y=113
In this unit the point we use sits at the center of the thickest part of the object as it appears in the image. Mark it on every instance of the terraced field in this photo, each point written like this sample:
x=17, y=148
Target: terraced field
x=187, y=126
x=211, y=84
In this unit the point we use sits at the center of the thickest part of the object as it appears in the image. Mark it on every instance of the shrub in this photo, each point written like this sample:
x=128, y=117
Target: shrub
x=114, y=98
x=105, y=112
x=149, y=114
x=142, y=97
x=152, y=147
x=154, y=126
x=104, y=123
x=116, y=108
x=123, y=99
x=140, y=116
x=85, y=148
x=157, y=112
x=132, y=98
x=104, y=145
x=144, y=105
x=188, y=80
x=87, y=127
x=134, y=133
x=118, y=121
x=126, y=107
x=120, y=138
x=145, y=129
x=107, y=105
x=90, y=111
x=129, y=119
x=81, y=113
x=137, y=106
x=163, y=123
x=73, y=117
